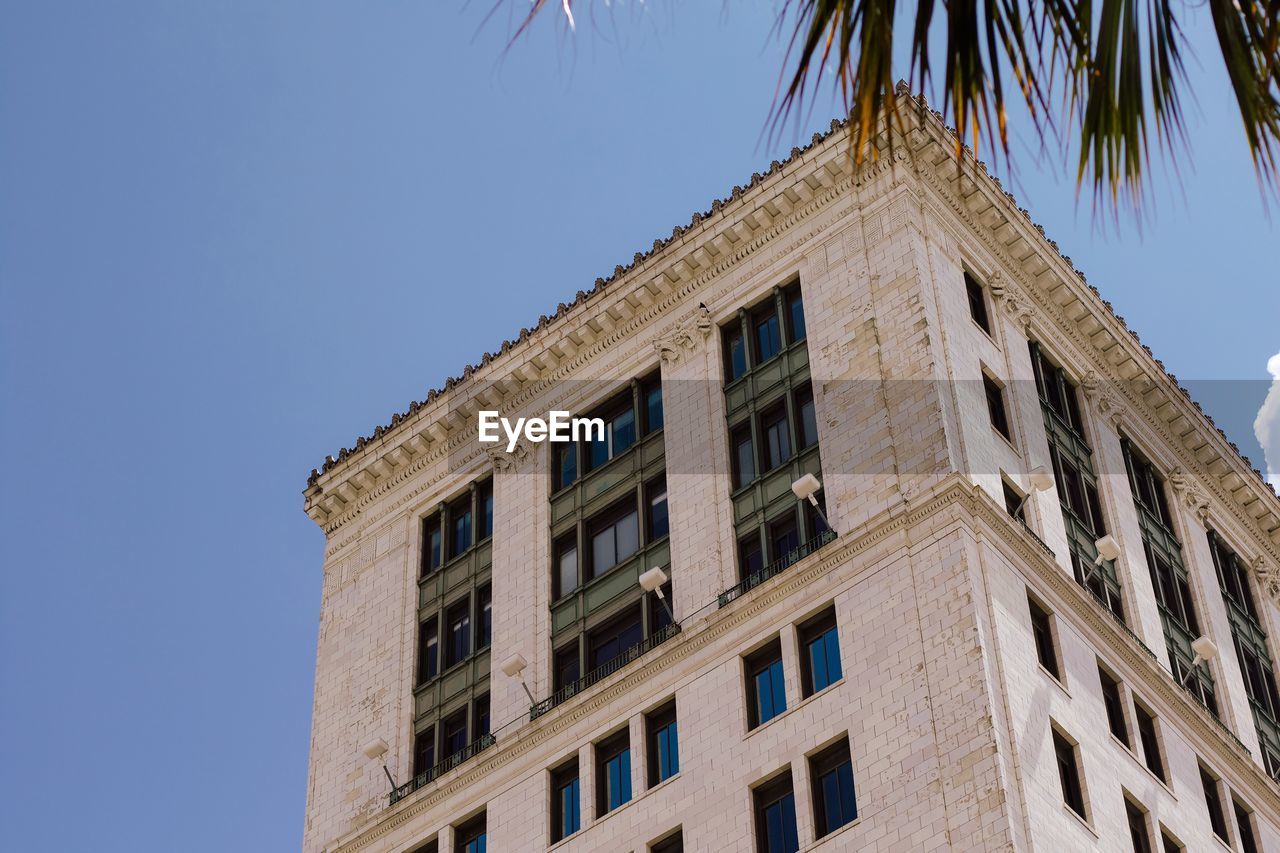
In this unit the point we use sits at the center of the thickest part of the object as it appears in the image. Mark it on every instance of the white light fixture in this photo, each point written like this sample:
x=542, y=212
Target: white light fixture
x=1040, y=478
x=806, y=489
x=1108, y=549
x=374, y=750
x=512, y=667
x=1205, y=649
x=652, y=581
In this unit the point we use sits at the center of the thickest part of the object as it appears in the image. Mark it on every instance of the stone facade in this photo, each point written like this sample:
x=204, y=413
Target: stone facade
x=947, y=710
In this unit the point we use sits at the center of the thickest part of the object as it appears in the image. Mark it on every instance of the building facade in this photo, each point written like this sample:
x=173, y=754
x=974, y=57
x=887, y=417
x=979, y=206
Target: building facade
x=982, y=634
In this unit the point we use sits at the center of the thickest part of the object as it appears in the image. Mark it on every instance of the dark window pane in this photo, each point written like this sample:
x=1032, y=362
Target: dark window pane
x=428, y=651
x=432, y=544
x=424, y=751
x=834, y=799
x=567, y=670
x=777, y=437
x=664, y=751
x=775, y=809
x=615, y=536
x=784, y=536
x=1244, y=826
x=460, y=525
x=1043, y=634
x=977, y=304
x=484, y=604
x=1213, y=802
x=486, y=511
x=750, y=557
x=735, y=354
x=565, y=464
x=458, y=625
x=613, y=773
x=470, y=837
x=808, y=418
x=566, y=802
x=768, y=337
x=995, y=406
x=795, y=316
x=1138, y=831
x=653, y=415
x=659, y=524
x=1115, y=707
x=820, y=653
x=483, y=723
x=1013, y=502
x=1069, y=774
x=744, y=465
x=566, y=565
x=766, y=690
x=670, y=844
x=455, y=734
x=615, y=638
x=1170, y=846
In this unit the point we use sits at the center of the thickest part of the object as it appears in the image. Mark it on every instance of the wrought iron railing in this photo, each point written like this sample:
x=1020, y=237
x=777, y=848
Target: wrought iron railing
x=603, y=671
x=778, y=566
x=463, y=755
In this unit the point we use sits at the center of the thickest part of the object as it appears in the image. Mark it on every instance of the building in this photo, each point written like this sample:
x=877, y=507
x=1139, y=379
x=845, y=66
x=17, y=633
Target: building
x=995, y=650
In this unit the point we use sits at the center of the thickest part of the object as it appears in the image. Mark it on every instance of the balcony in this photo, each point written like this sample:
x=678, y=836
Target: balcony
x=778, y=566
x=463, y=755
x=603, y=671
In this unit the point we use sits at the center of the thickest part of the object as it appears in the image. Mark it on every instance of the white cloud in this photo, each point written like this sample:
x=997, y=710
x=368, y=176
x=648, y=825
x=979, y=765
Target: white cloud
x=1266, y=427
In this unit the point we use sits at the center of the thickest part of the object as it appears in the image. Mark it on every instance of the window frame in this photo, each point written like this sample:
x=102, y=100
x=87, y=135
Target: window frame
x=823, y=628
x=616, y=747
x=663, y=720
x=766, y=658
x=833, y=758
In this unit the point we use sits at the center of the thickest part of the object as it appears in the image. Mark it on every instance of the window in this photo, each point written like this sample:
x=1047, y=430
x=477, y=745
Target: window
x=766, y=693
x=566, y=801
x=484, y=610
x=614, y=639
x=977, y=303
x=735, y=353
x=566, y=666
x=1148, y=488
x=432, y=544
x=1114, y=704
x=1138, y=832
x=777, y=437
x=454, y=733
x=1171, y=844
x=1014, y=503
x=664, y=744
x=424, y=751
x=784, y=536
x=1042, y=631
x=470, y=837
x=1232, y=576
x=651, y=399
x=564, y=458
x=483, y=724
x=744, y=456
x=428, y=651
x=1150, y=742
x=808, y=418
x=768, y=336
x=458, y=639
x=657, y=523
x=673, y=843
x=995, y=406
x=795, y=314
x=460, y=526
x=1057, y=392
x=834, y=801
x=615, y=536
x=1244, y=827
x=566, y=565
x=619, y=433
x=775, y=807
x=750, y=557
x=1213, y=802
x=613, y=773
x=484, y=499
x=820, y=653
x=432, y=846
x=1069, y=774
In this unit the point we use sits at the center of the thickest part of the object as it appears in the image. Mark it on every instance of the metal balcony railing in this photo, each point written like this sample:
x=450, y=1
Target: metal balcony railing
x=603, y=671
x=778, y=566
x=463, y=755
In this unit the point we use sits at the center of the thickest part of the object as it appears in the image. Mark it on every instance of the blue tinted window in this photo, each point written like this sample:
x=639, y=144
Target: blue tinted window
x=780, y=826
x=768, y=338
x=618, y=780
x=569, y=813
x=837, y=804
x=735, y=354
x=824, y=659
x=668, y=752
x=795, y=310
x=771, y=697
x=653, y=408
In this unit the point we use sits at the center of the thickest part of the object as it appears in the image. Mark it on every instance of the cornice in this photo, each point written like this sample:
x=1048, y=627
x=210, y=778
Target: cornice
x=952, y=503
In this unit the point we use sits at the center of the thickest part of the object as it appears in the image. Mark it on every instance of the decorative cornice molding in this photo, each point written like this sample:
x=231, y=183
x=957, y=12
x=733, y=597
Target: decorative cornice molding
x=504, y=462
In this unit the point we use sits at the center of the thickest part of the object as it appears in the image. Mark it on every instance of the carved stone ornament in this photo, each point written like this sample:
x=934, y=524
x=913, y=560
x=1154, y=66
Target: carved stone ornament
x=1268, y=578
x=685, y=335
x=1192, y=497
x=1007, y=294
x=1104, y=402
x=504, y=461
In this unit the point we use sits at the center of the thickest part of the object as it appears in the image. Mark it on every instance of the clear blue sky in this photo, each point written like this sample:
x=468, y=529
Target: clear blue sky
x=236, y=235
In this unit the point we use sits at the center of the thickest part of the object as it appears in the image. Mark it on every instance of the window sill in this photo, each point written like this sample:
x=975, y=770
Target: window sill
x=602, y=818
x=1057, y=681
x=830, y=687
x=1132, y=753
x=1066, y=808
x=985, y=333
x=857, y=821
x=1007, y=440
